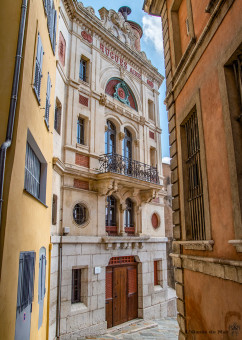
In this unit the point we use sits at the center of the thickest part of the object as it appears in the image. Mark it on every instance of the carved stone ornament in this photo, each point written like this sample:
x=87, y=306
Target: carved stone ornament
x=136, y=142
x=103, y=99
x=121, y=135
x=122, y=93
x=142, y=120
x=86, y=36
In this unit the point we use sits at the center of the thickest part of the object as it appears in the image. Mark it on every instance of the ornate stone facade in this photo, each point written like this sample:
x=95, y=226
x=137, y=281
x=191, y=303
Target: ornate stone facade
x=107, y=176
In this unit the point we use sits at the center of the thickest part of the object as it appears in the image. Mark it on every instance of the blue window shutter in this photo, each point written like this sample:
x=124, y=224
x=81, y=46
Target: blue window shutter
x=54, y=31
x=38, y=67
x=47, y=105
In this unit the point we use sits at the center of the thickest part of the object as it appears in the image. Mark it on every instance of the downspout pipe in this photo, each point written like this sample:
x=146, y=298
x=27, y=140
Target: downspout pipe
x=13, y=102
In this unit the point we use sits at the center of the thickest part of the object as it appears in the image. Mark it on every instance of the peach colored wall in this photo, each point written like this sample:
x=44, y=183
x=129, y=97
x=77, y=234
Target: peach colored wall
x=205, y=78
x=200, y=17
x=182, y=14
x=211, y=304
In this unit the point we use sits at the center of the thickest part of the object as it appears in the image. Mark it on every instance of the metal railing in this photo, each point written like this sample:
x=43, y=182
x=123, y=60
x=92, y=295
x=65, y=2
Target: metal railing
x=113, y=162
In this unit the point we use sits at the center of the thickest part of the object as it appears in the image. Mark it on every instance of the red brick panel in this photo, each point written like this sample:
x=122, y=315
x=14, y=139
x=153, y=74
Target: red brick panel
x=83, y=100
x=81, y=184
x=152, y=134
x=132, y=280
x=62, y=49
x=82, y=160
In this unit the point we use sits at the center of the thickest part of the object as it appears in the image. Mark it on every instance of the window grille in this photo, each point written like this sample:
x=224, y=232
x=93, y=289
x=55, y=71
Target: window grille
x=237, y=67
x=83, y=70
x=38, y=68
x=80, y=130
x=128, y=217
x=47, y=103
x=25, y=280
x=195, y=185
x=111, y=227
x=79, y=214
x=32, y=172
x=155, y=273
x=76, y=286
x=121, y=260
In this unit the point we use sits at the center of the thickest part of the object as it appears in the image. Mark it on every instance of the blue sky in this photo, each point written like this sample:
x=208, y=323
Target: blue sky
x=151, y=44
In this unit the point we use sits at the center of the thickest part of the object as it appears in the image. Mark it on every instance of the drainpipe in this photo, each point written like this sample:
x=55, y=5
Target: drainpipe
x=59, y=290
x=13, y=102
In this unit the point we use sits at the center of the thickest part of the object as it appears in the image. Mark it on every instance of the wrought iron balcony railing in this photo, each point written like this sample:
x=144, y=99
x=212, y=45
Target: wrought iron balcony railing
x=113, y=162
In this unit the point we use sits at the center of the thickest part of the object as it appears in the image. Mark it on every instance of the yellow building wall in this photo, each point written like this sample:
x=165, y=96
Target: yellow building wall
x=25, y=221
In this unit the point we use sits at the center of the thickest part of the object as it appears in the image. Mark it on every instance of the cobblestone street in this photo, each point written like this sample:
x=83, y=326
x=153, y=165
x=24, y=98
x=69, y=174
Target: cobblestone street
x=163, y=329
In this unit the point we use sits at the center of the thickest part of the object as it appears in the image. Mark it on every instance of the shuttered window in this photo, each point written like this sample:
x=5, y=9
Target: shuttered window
x=38, y=68
x=51, y=22
x=47, y=103
x=42, y=275
x=25, y=280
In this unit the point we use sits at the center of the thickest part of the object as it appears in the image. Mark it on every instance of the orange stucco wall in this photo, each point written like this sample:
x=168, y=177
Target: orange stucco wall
x=182, y=14
x=205, y=79
x=200, y=17
x=212, y=304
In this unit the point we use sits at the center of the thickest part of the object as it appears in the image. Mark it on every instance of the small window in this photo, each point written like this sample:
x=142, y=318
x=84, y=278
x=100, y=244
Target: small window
x=35, y=170
x=76, y=286
x=111, y=225
x=80, y=214
x=83, y=69
x=57, y=121
x=151, y=110
x=158, y=273
x=38, y=68
x=47, y=102
x=80, y=130
x=128, y=217
x=54, y=209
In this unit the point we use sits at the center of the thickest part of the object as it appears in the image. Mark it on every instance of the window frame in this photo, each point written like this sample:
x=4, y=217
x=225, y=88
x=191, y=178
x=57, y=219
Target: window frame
x=43, y=169
x=47, y=101
x=38, y=68
x=84, y=69
x=194, y=103
x=80, y=135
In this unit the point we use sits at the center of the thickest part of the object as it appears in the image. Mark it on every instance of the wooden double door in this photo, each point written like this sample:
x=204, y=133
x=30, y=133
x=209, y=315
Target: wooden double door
x=121, y=294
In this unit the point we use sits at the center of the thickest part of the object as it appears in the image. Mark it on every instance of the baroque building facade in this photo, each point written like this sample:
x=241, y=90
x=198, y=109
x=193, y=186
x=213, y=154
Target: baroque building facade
x=28, y=71
x=108, y=261
x=203, y=54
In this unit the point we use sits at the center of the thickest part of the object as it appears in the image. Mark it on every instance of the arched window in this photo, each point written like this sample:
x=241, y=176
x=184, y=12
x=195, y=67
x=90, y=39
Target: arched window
x=120, y=90
x=111, y=225
x=127, y=144
x=110, y=138
x=129, y=217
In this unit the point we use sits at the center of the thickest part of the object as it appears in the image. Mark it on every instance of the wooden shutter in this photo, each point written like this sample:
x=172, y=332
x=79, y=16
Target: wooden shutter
x=109, y=284
x=132, y=280
x=155, y=273
x=54, y=30
x=38, y=66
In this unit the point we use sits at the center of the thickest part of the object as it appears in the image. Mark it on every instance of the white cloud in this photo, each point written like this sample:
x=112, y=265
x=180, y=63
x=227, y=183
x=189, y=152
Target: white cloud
x=166, y=160
x=153, y=32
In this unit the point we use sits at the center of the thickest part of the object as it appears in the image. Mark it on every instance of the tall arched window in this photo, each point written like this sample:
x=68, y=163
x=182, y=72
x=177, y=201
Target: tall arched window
x=127, y=144
x=129, y=217
x=110, y=138
x=111, y=225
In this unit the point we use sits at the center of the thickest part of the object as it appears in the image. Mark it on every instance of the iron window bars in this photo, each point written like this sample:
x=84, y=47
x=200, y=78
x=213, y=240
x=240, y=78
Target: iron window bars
x=237, y=66
x=83, y=70
x=32, y=172
x=76, y=286
x=195, y=185
x=79, y=214
x=116, y=163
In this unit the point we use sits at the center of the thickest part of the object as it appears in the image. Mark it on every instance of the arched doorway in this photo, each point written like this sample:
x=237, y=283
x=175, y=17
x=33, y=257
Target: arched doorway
x=121, y=290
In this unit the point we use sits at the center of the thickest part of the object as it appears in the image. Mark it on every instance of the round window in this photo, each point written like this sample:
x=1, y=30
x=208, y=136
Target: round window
x=80, y=214
x=155, y=220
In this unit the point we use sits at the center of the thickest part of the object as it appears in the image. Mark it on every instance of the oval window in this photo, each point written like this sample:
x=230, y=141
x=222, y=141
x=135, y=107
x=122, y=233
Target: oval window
x=80, y=214
x=155, y=220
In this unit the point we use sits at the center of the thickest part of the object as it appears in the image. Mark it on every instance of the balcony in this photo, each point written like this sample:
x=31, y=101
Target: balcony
x=118, y=164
